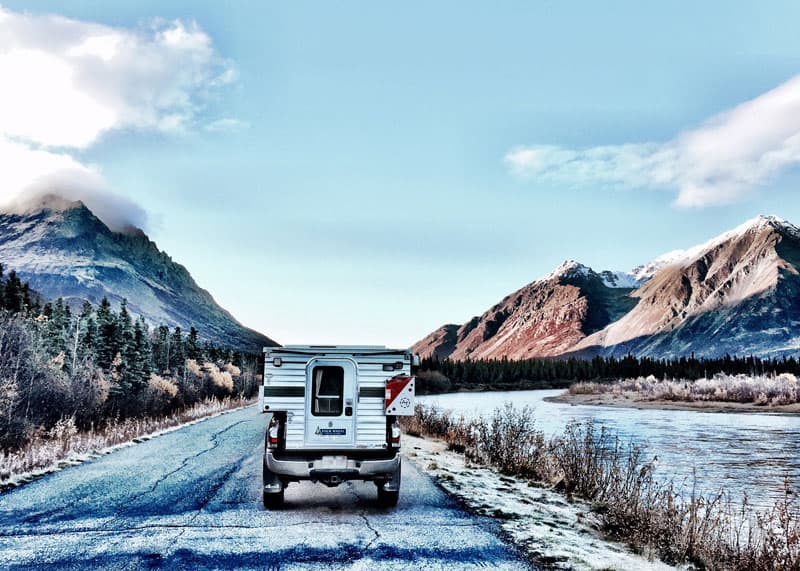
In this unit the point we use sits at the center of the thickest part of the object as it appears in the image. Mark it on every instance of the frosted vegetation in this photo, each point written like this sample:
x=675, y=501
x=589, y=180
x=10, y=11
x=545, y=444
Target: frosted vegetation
x=591, y=464
x=64, y=444
x=765, y=390
x=73, y=381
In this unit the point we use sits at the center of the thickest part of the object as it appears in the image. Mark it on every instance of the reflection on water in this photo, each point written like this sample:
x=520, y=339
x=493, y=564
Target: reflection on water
x=749, y=453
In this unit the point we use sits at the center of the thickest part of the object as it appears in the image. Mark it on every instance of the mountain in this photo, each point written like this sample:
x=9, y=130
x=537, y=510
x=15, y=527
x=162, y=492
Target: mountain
x=737, y=294
x=64, y=250
x=545, y=318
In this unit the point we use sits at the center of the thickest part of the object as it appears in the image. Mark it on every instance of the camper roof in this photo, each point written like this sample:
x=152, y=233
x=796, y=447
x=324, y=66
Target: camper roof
x=335, y=349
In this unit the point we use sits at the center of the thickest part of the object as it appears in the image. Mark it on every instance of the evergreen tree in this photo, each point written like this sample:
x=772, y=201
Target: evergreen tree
x=160, y=349
x=140, y=357
x=13, y=294
x=57, y=329
x=84, y=335
x=127, y=347
x=107, y=335
x=193, y=350
x=177, y=358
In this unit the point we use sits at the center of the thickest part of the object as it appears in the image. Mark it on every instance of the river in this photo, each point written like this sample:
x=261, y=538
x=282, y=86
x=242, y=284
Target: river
x=740, y=452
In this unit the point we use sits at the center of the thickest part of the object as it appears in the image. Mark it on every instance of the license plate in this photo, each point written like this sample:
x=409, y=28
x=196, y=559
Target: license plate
x=332, y=462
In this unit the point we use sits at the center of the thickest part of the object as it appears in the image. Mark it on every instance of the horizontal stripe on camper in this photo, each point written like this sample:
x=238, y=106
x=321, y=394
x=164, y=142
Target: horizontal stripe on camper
x=287, y=391
x=372, y=392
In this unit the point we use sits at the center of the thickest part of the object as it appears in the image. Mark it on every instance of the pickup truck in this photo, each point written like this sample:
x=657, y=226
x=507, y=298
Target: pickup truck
x=334, y=416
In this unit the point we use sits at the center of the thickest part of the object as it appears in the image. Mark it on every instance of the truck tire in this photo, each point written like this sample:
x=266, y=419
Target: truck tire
x=387, y=498
x=273, y=500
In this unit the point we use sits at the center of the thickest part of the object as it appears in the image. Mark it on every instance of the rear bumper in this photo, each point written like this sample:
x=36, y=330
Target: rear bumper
x=322, y=469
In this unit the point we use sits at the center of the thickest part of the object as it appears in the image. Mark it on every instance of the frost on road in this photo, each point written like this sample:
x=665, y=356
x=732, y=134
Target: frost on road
x=192, y=499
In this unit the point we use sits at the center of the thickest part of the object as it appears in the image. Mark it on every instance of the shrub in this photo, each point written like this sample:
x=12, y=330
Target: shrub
x=432, y=382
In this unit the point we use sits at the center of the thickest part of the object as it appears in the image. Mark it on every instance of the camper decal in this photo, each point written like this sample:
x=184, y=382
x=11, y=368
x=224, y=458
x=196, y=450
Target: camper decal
x=400, y=395
x=330, y=431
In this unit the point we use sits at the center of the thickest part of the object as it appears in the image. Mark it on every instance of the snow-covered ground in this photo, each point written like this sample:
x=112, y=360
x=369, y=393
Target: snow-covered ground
x=556, y=533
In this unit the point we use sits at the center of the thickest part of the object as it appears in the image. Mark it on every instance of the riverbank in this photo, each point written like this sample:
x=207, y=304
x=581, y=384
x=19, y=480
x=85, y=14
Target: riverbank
x=592, y=468
x=633, y=399
x=553, y=532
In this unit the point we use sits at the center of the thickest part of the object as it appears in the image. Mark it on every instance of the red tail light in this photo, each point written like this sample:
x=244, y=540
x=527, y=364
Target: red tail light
x=273, y=433
x=395, y=435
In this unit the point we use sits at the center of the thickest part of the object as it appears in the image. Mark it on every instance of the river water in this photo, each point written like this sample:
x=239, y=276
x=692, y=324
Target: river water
x=740, y=452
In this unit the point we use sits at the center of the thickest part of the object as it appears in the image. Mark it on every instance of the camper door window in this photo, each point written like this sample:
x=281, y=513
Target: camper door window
x=328, y=390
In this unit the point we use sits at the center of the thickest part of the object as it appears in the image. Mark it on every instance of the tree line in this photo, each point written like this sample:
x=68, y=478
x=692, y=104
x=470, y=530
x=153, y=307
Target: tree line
x=438, y=376
x=97, y=363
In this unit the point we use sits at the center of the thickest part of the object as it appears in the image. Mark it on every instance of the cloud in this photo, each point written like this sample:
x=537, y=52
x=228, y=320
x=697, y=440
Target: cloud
x=118, y=212
x=721, y=161
x=39, y=173
x=227, y=125
x=66, y=82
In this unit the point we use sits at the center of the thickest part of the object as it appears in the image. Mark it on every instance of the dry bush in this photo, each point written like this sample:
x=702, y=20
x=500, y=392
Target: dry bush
x=232, y=369
x=508, y=440
x=160, y=395
x=218, y=379
x=194, y=368
x=221, y=379
x=432, y=382
x=432, y=421
x=161, y=386
x=584, y=388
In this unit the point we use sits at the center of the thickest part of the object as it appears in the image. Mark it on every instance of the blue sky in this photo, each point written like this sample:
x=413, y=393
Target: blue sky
x=366, y=172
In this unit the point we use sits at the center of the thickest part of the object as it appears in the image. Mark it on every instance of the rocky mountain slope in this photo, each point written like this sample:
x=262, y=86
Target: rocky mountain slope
x=737, y=294
x=64, y=250
x=545, y=318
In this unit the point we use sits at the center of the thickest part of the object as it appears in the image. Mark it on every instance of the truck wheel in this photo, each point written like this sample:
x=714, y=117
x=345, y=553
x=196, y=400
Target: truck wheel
x=387, y=498
x=274, y=500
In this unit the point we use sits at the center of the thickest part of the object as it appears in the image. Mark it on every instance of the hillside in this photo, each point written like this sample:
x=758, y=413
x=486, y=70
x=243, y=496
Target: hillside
x=64, y=250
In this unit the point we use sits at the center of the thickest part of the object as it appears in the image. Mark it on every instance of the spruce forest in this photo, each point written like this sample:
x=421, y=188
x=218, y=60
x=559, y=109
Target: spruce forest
x=435, y=376
x=100, y=365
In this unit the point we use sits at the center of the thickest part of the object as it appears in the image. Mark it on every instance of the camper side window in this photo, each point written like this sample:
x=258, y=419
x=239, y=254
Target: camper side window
x=328, y=391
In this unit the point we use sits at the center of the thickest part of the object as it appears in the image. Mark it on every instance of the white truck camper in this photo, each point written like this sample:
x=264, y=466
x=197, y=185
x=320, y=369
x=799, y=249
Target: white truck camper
x=334, y=416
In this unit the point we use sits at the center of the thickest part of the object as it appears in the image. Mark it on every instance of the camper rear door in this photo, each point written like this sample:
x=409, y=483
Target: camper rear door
x=330, y=403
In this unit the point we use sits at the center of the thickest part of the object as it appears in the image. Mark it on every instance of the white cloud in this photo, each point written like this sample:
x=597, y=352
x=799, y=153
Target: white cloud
x=227, y=125
x=720, y=161
x=64, y=83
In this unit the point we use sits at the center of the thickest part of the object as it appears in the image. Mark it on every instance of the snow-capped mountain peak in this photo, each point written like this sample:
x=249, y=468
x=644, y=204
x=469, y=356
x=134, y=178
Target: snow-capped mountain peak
x=35, y=203
x=567, y=268
x=628, y=280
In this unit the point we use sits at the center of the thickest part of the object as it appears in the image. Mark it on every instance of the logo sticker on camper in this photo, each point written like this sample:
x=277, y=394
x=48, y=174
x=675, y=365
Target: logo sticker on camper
x=330, y=431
